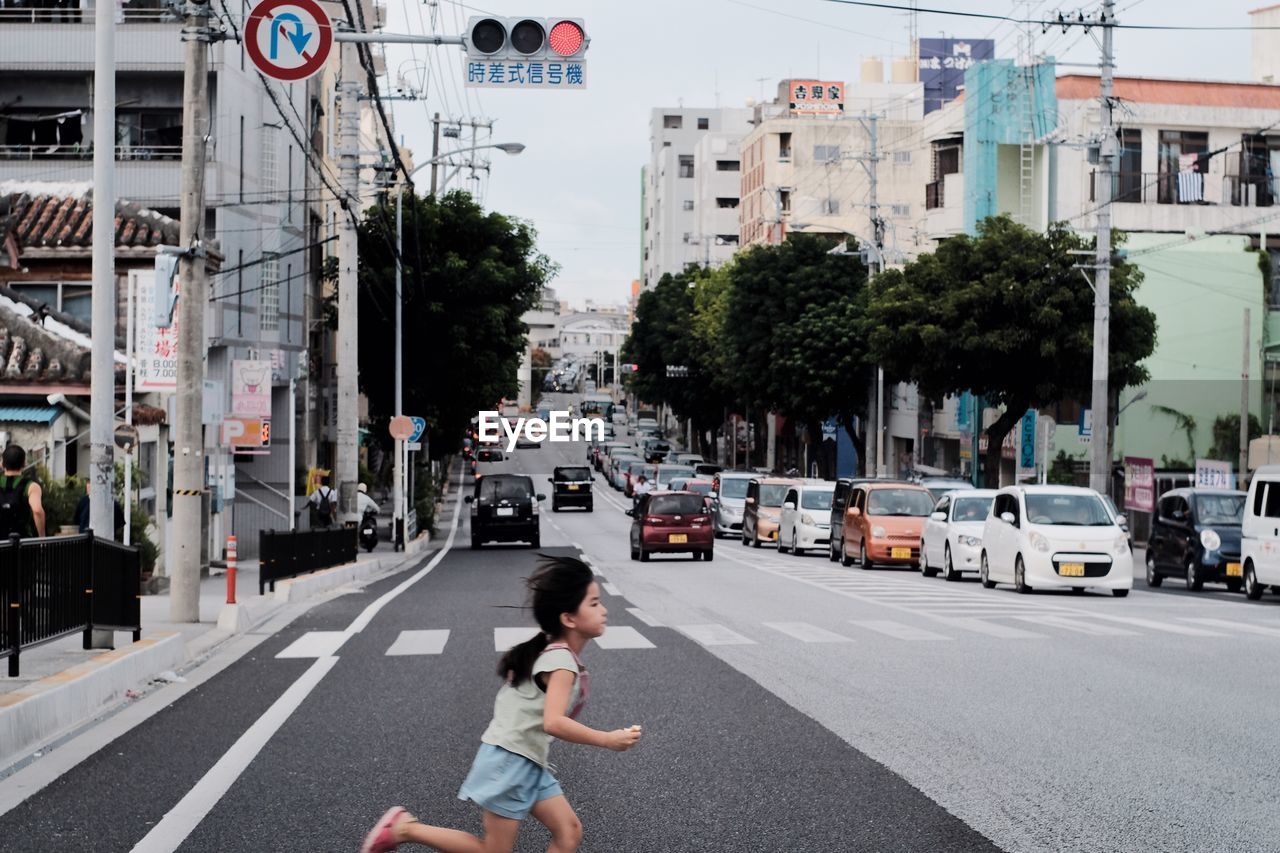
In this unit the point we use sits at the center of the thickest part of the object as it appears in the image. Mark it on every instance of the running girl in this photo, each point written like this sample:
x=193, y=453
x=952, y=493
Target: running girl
x=545, y=688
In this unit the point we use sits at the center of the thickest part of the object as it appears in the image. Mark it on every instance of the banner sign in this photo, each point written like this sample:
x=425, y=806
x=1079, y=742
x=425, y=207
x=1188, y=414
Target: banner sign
x=942, y=66
x=157, y=349
x=1212, y=474
x=1139, y=484
x=1028, y=456
x=816, y=97
x=251, y=388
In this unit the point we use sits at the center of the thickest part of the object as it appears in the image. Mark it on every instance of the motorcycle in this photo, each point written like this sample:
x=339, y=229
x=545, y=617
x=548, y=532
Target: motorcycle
x=369, y=530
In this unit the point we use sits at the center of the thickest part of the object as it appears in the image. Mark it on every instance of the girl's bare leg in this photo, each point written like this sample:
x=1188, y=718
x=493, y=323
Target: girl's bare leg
x=499, y=835
x=558, y=816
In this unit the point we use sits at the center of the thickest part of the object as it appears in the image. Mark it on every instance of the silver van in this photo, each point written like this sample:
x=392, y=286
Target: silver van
x=729, y=501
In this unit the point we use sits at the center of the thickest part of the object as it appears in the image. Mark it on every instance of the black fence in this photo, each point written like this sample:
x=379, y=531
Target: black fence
x=282, y=554
x=56, y=586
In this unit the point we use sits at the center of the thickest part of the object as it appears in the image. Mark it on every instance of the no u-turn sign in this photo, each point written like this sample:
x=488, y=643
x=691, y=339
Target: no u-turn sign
x=288, y=39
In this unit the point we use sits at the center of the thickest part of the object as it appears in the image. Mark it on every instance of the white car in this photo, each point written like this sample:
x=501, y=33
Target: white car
x=1260, y=533
x=806, y=518
x=1056, y=536
x=952, y=540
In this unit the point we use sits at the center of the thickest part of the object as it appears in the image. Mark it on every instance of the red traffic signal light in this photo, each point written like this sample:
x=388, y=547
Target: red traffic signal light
x=566, y=37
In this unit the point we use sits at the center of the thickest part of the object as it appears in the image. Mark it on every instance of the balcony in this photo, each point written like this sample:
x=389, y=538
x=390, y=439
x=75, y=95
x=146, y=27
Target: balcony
x=1164, y=201
x=148, y=38
x=935, y=196
x=65, y=152
x=944, y=206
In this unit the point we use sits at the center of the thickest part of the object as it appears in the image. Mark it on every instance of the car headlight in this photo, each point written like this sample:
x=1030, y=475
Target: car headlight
x=1121, y=546
x=1039, y=542
x=878, y=532
x=807, y=519
x=1210, y=540
x=971, y=541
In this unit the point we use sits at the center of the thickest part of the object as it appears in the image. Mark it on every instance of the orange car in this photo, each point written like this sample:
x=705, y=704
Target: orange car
x=762, y=510
x=883, y=523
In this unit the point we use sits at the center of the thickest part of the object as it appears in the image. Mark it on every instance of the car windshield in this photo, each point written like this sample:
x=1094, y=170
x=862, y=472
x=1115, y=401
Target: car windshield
x=906, y=502
x=573, y=474
x=1069, y=510
x=812, y=499
x=666, y=475
x=676, y=505
x=702, y=487
x=772, y=495
x=505, y=488
x=1220, y=509
x=971, y=509
x=734, y=488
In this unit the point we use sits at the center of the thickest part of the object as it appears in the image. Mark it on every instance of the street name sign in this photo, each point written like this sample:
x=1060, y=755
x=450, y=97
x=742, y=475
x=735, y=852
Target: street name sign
x=288, y=40
x=419, y=427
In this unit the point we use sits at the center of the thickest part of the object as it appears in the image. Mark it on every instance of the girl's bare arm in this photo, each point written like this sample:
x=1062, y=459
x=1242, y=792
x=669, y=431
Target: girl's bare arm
x=557, y=723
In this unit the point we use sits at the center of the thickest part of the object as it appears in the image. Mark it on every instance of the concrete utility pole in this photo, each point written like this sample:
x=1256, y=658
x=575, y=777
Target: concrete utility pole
x=345, y=464
x=1243, y=477
x=435, y=152
x=397, y=512
x=188, y=450
x=1099, y=454
x=875, y=466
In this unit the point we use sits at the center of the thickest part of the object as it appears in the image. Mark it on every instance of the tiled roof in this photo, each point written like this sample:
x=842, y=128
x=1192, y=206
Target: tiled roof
x=29, y=353
x=28, y=414
x=1192, y=93
x=46, y=220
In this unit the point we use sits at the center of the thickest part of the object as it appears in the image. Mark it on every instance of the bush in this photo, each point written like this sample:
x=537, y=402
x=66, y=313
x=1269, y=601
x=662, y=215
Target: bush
x=60, y=499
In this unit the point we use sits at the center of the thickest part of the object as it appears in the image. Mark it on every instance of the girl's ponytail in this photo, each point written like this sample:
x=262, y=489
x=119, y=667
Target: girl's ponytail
x=517, y=664
x=558, y=586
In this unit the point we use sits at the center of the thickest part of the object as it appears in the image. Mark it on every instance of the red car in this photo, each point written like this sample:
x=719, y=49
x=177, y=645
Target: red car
x=671, y=522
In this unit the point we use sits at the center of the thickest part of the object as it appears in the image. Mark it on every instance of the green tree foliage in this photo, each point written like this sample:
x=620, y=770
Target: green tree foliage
x=1007, y=315
x=469, y=276
x=1226, y=436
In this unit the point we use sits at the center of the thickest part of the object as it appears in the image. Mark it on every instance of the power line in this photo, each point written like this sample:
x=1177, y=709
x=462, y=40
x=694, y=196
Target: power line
x=1061, y=21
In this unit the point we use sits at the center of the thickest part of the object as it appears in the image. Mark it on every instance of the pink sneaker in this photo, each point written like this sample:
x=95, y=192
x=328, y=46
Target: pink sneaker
x=380, y=839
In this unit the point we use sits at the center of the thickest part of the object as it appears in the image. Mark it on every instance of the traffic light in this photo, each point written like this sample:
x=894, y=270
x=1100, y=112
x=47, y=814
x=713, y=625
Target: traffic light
x=553, y=39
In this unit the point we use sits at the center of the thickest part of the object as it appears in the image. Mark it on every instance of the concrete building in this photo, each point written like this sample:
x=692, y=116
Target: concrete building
x=671, y=234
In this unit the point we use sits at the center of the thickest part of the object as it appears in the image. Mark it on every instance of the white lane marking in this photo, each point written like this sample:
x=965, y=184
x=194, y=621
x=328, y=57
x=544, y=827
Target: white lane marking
x=183, y=818
x=898, y=630
x=644, y=617
x=994, y=629
x=714, y=635
x=315, y=644
x=612, y=589
x=1160, y=626
x=1237, y=626
x=1079, y=625
x=430, y=642
x=806, y=633
x=506, y=638
x=623, y=637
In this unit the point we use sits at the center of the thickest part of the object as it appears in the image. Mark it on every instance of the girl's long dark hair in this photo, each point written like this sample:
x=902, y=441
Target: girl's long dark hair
x=558, y=585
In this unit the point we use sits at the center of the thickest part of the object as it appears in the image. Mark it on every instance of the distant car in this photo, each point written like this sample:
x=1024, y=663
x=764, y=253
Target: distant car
x=1054, y=536
x=655, y=450
x=616, y=473
x=1195, y=535
x=806, y=518
x=504, y=508
x=685, y=458
x=665, y=473
x=488, y=454
x=952, y=538
x=883, y=523
x=571, y=486
x=939, y=486
x=729, y=499
x=692, y=484
x=707, y=469
x=762, y=509
x=667, y=522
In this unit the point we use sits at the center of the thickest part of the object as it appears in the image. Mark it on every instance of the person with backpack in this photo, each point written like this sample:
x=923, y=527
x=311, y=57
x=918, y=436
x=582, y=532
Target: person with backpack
x=324, y=504
x=21, y=499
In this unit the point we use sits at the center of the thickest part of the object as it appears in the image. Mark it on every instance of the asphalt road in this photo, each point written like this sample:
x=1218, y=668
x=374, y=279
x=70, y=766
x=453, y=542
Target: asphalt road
x=788, y=704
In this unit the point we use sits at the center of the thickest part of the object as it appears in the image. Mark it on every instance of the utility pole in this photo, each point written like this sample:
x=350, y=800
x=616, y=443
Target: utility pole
x=1243, y=477
x=1099, y=454
x=435, y=152
x=398, y=513
x=345, y=462
x=188, y=450
x=875, y=466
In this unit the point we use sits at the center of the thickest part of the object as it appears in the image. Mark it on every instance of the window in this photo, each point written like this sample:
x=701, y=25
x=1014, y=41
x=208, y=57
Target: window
x=1258, y=497
x=672, y=122
x=704, y=124
x=686, y=165
x=1130, y=176
x=726, y=203
x=943, y=504
x=1272, y=508
x=946, y=157
x=267, y=173
x=816, y=499
x=784, y=200
x=42, y=131
x=1174, y=146
x=688, y=236
x=899, y=210
x=69, y=298
x=902, y=156
x=831, y=207
x=666, y=145
x=784, y=146
x=151, y=130
x=269, y=298
x=1166, y=507
x=826, y=153
x=688, y=204
x=726, y=239
x=791, y=497
x=727, y=165
x=242, y=159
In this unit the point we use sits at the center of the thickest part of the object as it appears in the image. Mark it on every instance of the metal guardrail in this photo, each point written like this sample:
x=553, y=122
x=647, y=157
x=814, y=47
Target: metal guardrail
x=282, y=554
x=76, y=152
x=49, y=12
x=56, y=586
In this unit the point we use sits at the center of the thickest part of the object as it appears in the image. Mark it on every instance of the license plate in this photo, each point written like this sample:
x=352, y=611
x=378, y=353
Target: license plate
x=573, y=487
x=1234, y=570
x=900, y=553
x=1071, y=570
x=677, y=538
x=506, y=510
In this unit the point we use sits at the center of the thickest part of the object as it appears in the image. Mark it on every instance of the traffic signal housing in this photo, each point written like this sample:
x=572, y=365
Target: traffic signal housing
x=524, y=38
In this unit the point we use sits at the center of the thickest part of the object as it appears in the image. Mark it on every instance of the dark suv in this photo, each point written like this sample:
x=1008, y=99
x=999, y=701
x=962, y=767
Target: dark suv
x=571, y=486
x=504, y=508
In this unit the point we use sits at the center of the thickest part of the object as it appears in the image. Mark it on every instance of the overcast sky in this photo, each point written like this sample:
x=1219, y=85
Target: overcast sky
x=578, y=181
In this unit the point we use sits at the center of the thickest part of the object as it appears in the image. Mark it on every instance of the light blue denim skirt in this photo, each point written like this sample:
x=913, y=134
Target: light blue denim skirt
x=507, y=784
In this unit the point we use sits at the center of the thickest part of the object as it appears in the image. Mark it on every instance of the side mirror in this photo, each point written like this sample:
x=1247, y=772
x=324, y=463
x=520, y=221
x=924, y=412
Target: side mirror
x=631, y=512
x=542, y=497
x=938, y=516
x=1008, y=518
x=468, y=498
x=789, y=505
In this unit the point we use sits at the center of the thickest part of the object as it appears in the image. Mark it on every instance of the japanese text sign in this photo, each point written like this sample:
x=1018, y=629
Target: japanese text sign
x=526, y=74
x=156, y=366
x=251, y=388
x=816, y=98
x=1139, y=484
x=1211, y=474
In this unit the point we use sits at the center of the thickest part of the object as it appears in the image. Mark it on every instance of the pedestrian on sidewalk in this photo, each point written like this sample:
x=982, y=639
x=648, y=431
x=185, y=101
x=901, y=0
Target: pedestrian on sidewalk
x=545, y=689
x=21, y=499
x=324, y=504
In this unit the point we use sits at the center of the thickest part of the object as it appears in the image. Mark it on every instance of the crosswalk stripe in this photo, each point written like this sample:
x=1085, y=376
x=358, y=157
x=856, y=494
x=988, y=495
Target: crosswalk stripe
x=610, y=588
x=898, y=630
x=314, y=644
x=1078, y=625
x=1161, y=626
x=1244, y=627
x=623, y=637
x=994, y=629
x=430, y=642
x=506, y=638
x=807, y=633
x=714, y=635
x=644, y=617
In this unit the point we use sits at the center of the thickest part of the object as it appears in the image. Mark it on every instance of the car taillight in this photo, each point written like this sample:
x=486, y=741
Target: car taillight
x=701, y=519
x=655, y=519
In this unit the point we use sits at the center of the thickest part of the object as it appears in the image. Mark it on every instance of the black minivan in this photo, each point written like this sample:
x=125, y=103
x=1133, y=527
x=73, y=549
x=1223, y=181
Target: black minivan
x=504, y=508
x=1195, y=535
x=571, y=486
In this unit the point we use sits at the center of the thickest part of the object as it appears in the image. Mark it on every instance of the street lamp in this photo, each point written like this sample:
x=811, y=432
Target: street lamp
x=399, y=513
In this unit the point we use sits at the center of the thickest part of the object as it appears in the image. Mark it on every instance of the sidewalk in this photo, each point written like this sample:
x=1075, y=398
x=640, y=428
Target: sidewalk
x=63, y=686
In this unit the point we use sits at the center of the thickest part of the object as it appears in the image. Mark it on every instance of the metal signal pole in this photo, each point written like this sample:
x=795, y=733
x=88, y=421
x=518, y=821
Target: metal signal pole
x=1099, y=454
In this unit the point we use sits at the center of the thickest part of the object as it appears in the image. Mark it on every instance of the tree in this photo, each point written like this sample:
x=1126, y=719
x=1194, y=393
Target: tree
x=1007, y=315
x=469, y=276
x=1226, y=436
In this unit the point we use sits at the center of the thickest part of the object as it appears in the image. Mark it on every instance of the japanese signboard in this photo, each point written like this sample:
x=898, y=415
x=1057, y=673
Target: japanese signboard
x=942, y=66
x=1139, y=484
x=526, y=74
x=251, y=388
x=242, y=434
x=1212, y=474
x=156, y=367
x=1027, y=454
x=816, y=97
